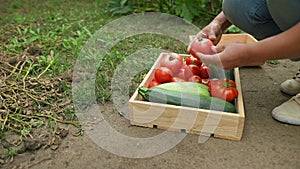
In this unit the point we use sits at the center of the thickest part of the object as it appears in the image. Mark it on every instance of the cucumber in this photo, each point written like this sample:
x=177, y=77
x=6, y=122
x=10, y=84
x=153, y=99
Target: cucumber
x=186, y=87
x=159, y=95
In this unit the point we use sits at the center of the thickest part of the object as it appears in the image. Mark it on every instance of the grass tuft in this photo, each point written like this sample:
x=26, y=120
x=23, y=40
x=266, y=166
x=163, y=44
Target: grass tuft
x=39, y=44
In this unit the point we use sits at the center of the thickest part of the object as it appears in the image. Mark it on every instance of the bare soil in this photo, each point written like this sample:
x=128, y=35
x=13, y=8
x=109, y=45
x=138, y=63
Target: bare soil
x=266, y=143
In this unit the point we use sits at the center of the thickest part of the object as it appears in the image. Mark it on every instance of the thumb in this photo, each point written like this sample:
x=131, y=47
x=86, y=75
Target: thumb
x=217, y=49
x=212, y=37
x=210, y=59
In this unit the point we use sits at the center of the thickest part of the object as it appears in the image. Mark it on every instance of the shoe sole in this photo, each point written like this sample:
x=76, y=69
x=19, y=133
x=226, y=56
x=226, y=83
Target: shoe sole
x=286, y=91
x=284, y=119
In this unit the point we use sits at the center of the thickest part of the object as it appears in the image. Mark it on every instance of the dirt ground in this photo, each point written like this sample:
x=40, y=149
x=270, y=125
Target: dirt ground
x=266, y=143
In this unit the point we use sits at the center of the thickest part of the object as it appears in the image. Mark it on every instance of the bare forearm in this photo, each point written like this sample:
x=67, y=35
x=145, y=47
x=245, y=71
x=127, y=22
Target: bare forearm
x=222, y=20
x=282, y=46
x=215, y=28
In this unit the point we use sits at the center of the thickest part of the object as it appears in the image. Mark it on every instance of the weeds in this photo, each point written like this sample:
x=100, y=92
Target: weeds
x=28, y=98
x=273, y=62
x=10, y=153
x=39, y=44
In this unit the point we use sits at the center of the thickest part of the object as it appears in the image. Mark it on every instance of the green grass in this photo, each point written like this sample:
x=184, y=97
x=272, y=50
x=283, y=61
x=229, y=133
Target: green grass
x=58, y=29
x=41, y=79
x=273, y=62
x=61, y=26
x=10, y=153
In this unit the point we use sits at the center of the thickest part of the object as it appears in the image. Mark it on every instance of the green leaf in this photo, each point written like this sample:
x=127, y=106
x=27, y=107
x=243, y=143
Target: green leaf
x=121, y=11
x=177, y=11
x=123, y=2
x=192, y=7
x=37, y=123
x=186, y=14
x=32, y=39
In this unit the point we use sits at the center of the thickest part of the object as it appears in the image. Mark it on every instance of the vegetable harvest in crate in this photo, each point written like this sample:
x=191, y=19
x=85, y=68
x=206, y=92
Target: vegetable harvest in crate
x=186, y=81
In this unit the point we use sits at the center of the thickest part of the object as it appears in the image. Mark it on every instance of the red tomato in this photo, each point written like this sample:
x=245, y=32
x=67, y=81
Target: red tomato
x=176, y=56
x=177, y=79
x=183, y=65
x=153, y=83
x=224, y=89
x=195, y=78
x=206, y=82
x=200, y=45
x=180, y=74
x=191, y=70
x=205, y=71
x=172, y=61
x=163, y=75
x=192, y=60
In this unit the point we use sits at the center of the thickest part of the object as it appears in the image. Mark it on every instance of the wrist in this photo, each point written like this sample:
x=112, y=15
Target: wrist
x=222, y=21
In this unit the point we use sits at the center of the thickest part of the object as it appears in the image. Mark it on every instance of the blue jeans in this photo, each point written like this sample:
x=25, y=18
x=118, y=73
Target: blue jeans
x=262, y=18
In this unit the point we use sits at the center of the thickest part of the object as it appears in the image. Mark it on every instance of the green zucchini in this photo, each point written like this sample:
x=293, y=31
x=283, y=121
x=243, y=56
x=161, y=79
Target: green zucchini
x=159, y=95
x=186, y=87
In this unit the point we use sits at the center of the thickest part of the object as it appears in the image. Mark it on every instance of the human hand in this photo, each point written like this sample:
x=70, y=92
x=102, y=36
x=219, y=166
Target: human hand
x=230, y=56
x=212, y=31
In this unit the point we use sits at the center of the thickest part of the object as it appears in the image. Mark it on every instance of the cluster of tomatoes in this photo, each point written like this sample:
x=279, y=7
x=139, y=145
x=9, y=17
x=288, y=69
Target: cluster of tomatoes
x=177, y=68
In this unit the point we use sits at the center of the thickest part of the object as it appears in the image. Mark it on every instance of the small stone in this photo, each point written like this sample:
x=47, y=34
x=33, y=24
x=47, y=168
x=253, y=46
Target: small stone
x=63, y=133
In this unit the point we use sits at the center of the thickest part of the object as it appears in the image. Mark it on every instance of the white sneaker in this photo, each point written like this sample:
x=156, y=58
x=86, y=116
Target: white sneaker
x=291, y=86
x=289, y=111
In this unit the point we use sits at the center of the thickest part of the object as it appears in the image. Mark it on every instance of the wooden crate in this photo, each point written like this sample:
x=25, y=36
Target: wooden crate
x=190, y=120
x=241, y=38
